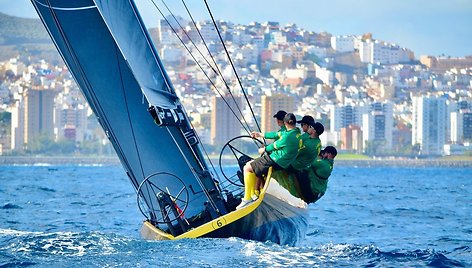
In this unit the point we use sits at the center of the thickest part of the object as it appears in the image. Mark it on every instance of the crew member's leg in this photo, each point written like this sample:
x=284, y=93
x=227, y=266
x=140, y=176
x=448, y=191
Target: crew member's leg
x=249, y=181
x=252, y=170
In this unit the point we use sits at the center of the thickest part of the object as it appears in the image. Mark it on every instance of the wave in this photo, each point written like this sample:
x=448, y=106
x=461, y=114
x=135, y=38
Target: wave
x=20, y=248
x=10, y=206
x=346, y=255
x=59, y=243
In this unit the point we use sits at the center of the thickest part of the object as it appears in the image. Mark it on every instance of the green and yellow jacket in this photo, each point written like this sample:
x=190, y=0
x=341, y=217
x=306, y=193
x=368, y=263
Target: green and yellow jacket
x=318, y=174
x=308, y=152
x=285, y=149
x=275, y=135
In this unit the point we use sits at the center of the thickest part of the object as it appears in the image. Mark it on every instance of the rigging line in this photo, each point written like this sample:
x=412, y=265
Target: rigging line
x=219, y=74
x=199, y=65
x=204, y=189
x=196, y=47
x=232, y=65
x=246, y=128
x=88, y=87
x=214, y=62
x=206, y=46
x=216, y=65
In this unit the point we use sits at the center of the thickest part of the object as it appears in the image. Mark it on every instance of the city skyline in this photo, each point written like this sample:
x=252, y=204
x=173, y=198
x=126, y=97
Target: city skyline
x=361, y=89
x=427, y=28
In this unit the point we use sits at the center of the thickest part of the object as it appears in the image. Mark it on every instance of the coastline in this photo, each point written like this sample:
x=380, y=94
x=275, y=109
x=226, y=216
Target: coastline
x=113, y=160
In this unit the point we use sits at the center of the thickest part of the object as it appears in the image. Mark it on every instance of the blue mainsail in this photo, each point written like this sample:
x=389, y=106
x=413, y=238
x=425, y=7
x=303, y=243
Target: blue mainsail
x=108, y=51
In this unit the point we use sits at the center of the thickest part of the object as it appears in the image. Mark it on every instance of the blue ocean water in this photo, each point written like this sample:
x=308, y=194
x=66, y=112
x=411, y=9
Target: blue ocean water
x=87, y=216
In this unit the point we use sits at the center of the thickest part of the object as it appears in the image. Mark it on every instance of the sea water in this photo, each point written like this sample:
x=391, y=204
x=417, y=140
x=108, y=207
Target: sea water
x=87, y=216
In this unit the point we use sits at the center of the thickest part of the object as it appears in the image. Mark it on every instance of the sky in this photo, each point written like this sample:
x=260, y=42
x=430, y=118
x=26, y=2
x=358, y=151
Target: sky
x=427, y=27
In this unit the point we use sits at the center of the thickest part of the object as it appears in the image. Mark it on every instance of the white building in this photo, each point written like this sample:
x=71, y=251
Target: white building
x=246, y=55
x=325, y=75
x=258, y=41
x=17, y=125
x=15, y=66
x=344, y=43
x=240, y=37
x=278, y=38
x=377, y=125
x=461, y=127
x=208, y=31
x=383, y=53
x=342, y=116
x=166, y=31
x=429, y=124
x=320, y=52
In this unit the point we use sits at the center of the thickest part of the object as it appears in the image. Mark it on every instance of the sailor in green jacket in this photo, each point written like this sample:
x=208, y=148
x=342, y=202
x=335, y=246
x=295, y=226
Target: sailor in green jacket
x=282, y=153
x=311, y=143
x=279, y=116
x=312, y=184
x=274, y=135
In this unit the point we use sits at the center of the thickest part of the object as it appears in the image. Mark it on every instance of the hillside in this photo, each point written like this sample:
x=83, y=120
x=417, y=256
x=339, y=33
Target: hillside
x=26, y=37
x=16, y=31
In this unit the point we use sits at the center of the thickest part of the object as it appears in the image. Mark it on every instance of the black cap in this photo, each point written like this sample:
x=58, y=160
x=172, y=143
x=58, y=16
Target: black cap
x=307, y=119
x=280, y=115
x=318, y=127
x=330, y=150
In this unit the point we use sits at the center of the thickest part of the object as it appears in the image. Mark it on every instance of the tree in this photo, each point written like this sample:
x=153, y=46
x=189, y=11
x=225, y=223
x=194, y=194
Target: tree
x=374, y=147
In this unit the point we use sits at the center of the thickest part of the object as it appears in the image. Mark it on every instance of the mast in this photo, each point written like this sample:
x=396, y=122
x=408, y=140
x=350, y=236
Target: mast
x=108, y=51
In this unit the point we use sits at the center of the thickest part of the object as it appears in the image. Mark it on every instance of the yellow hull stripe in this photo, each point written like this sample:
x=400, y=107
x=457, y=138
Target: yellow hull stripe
x=214, y=224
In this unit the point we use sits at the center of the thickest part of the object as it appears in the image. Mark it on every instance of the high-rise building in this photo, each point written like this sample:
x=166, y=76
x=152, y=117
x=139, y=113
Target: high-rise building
x=351, y=139
x=17, y=126
x=429, y=124
x=342, y=116
x=224, y=124
x=467, y=128
x=167, y=27
x=461, y=127
x=377, y=125
x=270, y=105
x=39, y=113
x=32, y=116
x=71, y=123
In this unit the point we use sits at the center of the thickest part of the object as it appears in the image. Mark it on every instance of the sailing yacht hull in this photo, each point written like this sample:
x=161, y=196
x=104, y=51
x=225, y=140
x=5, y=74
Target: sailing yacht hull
x=280, y=218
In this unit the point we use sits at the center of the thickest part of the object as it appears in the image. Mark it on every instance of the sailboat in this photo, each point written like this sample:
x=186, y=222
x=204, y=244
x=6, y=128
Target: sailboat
x=109, y=52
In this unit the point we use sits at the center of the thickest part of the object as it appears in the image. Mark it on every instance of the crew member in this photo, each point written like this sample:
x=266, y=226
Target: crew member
x=312, y=184
x=282, y=153
x=273, y=135
x=311, y=143
x=279, y=117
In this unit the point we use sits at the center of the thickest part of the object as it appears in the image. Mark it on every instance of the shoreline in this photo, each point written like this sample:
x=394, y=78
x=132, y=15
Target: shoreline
x=113, y=160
